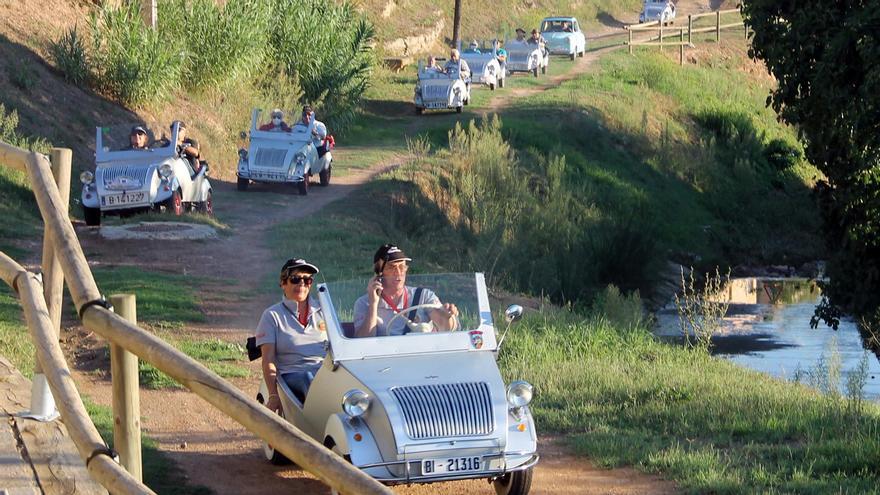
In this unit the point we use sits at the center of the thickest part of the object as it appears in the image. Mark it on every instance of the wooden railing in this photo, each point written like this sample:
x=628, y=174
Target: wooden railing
x=664, y=33
x=64, y=248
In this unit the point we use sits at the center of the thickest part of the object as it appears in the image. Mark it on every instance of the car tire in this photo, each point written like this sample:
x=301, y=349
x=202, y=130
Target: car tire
x=571, y=56
x=491, y=86
x=242, y=184
x=583, y=51
x=325, y=175
x=92, y=216
x=457, y=109
x=272, y=455
x=207, y=206
x=535, y=72
x=174, y=204
x=303, y=186
x=420, y=110
x=515, y=483
x=544, y=69
x=501, y=82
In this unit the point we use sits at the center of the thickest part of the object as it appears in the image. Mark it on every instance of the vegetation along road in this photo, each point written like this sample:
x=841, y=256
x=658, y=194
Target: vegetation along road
x=573, y=192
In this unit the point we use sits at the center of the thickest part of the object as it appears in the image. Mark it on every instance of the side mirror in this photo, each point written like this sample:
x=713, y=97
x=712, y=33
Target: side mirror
x=513, y=313
x=242, y=135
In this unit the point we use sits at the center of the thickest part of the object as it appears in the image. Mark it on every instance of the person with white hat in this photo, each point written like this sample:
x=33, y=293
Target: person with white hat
x=291, y=334
x=277, y=123
x=387, y=295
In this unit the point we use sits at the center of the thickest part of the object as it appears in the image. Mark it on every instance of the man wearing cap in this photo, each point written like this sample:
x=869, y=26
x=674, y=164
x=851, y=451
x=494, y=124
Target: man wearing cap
x=538, y=40
x=520, y=35
x=387, y=295
x=187, y=147
x=277, y=124
x=138, y=138
x=291, y=334
x=319, y=131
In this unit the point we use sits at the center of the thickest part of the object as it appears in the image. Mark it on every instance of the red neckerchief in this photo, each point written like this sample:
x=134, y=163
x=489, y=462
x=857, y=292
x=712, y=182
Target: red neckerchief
x=393, y=306
x=303, y=316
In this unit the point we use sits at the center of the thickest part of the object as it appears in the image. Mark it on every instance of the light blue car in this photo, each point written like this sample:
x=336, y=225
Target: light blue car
x=564, y=36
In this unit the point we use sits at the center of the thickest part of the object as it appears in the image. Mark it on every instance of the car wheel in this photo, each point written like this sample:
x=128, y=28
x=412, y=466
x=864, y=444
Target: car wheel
x=242, y=184
x=544, y=69
x=272, y=455
x=515, y=483
x=420, y=110
x=207, y=206
x=571, y=56
x=535, y=72
x=303, y=186
x=491, y=86
x=457, y=109
x=583, y=51
x=325, y=175
x=501, y=82
x=92, y=216
x=174, y=204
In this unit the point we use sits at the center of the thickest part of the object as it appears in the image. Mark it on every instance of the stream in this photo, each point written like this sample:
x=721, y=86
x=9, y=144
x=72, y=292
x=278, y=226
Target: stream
x=767, y=328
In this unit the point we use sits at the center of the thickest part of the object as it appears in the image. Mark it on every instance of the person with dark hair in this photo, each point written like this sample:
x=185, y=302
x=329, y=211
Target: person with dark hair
x=138, y=138
x=291, y=334
x=187, y=147
x=387, y=295
x=319, y=131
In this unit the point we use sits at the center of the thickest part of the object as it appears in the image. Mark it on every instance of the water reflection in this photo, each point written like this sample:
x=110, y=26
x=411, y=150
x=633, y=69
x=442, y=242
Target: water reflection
x=767, y=328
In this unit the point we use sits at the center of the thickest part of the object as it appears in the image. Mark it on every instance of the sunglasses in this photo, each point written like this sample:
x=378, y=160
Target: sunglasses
x=297, y=280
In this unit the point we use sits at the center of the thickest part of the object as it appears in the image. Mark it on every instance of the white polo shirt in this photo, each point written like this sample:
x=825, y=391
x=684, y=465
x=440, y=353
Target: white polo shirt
x=297, y=347
x=385, y=312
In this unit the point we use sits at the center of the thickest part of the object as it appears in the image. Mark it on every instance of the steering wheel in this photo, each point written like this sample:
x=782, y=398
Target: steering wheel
x=425, y=327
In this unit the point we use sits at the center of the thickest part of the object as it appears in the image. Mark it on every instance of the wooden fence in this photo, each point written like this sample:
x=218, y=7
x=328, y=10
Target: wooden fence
x=664, y=33
x=65, y=252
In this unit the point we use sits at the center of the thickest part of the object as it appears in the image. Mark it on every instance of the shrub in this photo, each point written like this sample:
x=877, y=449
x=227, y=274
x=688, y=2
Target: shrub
x=133, y=62
x=781, y=155
x=69, y=55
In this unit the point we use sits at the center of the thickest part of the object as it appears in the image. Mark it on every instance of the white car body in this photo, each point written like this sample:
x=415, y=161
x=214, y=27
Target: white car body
x=485, y=68
x=282, y=157
x=438, y=408
x=559, y=42
x=662, y=11
x=129, y=180
x=440, y=90
x=526, y=57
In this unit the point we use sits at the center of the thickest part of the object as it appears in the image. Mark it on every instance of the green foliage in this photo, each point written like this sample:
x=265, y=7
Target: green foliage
x=713, y=427
x=822, y=55
x=15, y=341
x=132, y=62
x=222, y=357
x=165, y=300
x=69, y=55
x=22, y=75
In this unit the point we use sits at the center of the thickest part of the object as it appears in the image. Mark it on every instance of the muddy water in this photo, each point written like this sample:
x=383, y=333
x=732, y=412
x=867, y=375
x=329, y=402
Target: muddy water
x=767, y=328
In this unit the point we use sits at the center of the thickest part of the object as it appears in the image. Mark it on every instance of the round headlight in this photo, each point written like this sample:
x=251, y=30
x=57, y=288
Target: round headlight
x=86, y=177
x=355, y=403
x=300, y=158
x=165, y=170
x=519, y=393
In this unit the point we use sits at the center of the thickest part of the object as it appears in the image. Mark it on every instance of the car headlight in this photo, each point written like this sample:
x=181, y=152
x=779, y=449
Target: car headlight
x=300, y=158
x=166, y=171
x=243, y=154
x=355, y=403
x=519, y=393
x=87, y=177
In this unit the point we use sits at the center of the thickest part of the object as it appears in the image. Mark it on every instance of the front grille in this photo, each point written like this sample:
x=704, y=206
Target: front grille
x=450, y=410
x=109, y=174
x=270, y=158
x=435, y=92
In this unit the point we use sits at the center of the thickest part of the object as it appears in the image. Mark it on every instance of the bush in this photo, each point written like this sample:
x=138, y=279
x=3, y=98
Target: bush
x=133, y=63
x=69, y=55
x=781, y=155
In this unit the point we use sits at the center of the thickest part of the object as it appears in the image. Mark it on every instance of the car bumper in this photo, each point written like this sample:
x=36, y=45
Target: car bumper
x=270, y=177
x=499, y=465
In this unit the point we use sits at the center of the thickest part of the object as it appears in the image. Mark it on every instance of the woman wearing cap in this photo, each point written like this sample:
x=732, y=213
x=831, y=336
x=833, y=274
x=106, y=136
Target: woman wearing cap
x=277, y=124
x=387, y=294
x=291, y=334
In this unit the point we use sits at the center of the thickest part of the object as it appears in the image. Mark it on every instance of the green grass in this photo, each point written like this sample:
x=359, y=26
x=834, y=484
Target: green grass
x=165, y=301
x=15, y=341
x=161, y=474
x=222, y=357
x=622, y=398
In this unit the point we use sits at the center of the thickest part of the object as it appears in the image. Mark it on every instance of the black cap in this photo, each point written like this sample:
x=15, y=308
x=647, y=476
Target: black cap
x=389, y=253
x=179, y=123
x=138, y=130
x=520, y=30
x=297, y=264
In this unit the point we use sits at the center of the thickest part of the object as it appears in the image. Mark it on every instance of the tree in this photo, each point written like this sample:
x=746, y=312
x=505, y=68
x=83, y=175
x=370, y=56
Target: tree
x=825, y=56
x=456, y=24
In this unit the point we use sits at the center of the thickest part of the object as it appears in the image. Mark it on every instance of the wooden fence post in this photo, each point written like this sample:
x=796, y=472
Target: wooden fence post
x=126, y=394
x=681, y=46
x=630, y=41
x=690, y=28
x=149, y=12
x=661, y=36
x=718, y=26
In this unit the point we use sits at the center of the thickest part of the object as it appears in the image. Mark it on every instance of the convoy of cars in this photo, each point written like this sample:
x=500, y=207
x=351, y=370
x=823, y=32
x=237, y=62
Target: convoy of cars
x=419, y=407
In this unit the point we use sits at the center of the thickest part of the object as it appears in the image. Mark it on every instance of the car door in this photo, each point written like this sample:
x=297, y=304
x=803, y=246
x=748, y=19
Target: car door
x=183, y=172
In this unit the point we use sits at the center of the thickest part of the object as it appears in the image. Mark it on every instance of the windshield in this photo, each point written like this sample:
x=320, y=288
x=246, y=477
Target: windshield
x=290, y=128
x=556, y=26
x=133, y=141
x=467, y=291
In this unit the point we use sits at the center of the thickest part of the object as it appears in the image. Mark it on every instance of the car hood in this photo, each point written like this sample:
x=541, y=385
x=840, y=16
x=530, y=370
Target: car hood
x=436, y=89
x=557, y=36
x=430, y=399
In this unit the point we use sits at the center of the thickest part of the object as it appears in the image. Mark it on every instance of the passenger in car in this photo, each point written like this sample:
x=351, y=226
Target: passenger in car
x=452, y=65
x=277, y=123
x=387, y=295
x=187, y=147
x=319, y=131
x=432, y=64
x=138, y=138
x=291, y=334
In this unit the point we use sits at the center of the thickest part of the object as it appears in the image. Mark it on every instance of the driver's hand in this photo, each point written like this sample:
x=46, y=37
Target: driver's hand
x=273, y=403
x=450, y=309
x=374, y=289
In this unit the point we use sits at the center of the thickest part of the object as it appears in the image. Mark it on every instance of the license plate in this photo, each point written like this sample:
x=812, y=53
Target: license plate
x=122, y=199
x=437, y=105
x=436, y=467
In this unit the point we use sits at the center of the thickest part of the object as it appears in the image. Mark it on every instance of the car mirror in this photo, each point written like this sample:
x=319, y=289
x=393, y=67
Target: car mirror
x=513, y=313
